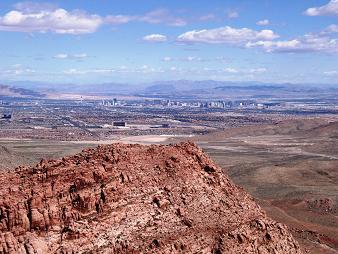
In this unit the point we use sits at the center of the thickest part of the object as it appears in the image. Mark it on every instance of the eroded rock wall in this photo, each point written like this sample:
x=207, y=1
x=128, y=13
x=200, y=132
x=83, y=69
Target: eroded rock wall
x=133, y=199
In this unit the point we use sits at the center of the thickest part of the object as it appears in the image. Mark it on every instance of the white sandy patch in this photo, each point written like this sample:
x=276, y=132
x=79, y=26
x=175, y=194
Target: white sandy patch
x=145, y=139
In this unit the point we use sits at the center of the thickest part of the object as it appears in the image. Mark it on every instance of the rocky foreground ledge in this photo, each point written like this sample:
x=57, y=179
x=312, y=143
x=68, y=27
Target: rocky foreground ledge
x=133, y=199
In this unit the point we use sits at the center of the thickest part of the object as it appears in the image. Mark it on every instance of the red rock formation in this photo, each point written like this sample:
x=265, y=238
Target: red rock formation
x=133, y=199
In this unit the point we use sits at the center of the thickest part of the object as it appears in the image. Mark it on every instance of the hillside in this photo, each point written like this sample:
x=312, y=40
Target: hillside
x=295, y=127
x=291, y=168
x=10, y=91
x=9, y=158
x=133, y=199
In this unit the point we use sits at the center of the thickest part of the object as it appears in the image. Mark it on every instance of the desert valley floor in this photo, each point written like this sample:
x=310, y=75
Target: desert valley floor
x=290, y=168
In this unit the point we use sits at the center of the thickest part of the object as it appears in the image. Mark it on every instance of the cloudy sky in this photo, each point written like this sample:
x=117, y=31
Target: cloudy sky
x=145, y=40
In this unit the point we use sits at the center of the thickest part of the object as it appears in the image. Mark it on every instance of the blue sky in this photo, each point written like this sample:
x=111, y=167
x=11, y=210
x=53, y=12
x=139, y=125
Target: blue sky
x=142, y=41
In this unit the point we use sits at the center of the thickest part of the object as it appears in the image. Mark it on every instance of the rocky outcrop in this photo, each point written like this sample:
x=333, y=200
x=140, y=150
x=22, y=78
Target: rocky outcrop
x=133, y=199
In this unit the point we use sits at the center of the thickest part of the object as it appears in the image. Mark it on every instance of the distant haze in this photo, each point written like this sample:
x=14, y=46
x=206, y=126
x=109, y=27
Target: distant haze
x=172, y=89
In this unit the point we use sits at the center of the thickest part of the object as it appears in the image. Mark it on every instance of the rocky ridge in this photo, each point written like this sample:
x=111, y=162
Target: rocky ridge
x=133, y=199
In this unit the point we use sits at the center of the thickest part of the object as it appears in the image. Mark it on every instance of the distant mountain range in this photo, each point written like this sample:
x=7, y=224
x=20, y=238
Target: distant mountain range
x=10, y=91
x=224, y=89
x=169, y=89
x=46, y=87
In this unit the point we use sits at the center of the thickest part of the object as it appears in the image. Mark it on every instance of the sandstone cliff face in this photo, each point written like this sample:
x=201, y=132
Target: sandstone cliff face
x=133, y=199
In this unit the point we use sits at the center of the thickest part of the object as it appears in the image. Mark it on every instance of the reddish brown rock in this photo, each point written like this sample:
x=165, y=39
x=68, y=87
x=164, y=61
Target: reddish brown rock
x=133, y=199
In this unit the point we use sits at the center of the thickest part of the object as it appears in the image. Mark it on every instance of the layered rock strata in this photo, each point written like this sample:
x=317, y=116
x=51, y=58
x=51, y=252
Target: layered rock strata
x=133, y=199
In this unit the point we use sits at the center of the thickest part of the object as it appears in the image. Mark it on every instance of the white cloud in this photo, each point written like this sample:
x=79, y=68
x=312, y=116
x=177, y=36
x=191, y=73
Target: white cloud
x=263, y=22
x=146, y=70
x=61, y=56
x=155, y=38
x=330, y=9
x=195, y=58
x=275, y=45
x=231, y=70
x=158, y=16
x=207, y=17
x=331, y=73
x=74, y=71
x=226, y=35
x=258, y=70
x=30, y=17
x=80, y=56
x=31, y=7
x=245, y=71
x=167, y=59
x=119, y=19
x=33, y=17
x=108, y=71
x=330, y=29
x=71, y=56
x=232, y=14
x=17, y=69
x=162, y=16
x=192, y=59
x=307, y=43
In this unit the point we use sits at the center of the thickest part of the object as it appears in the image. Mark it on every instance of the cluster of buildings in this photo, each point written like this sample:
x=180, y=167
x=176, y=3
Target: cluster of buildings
x=219, y=104
x=6, y=116
x=2, y=102
x=231, y=104
x=110, y=103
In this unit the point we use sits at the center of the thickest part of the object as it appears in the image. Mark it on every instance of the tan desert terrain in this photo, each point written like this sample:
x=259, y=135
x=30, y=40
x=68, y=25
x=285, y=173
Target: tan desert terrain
x=291, y=169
